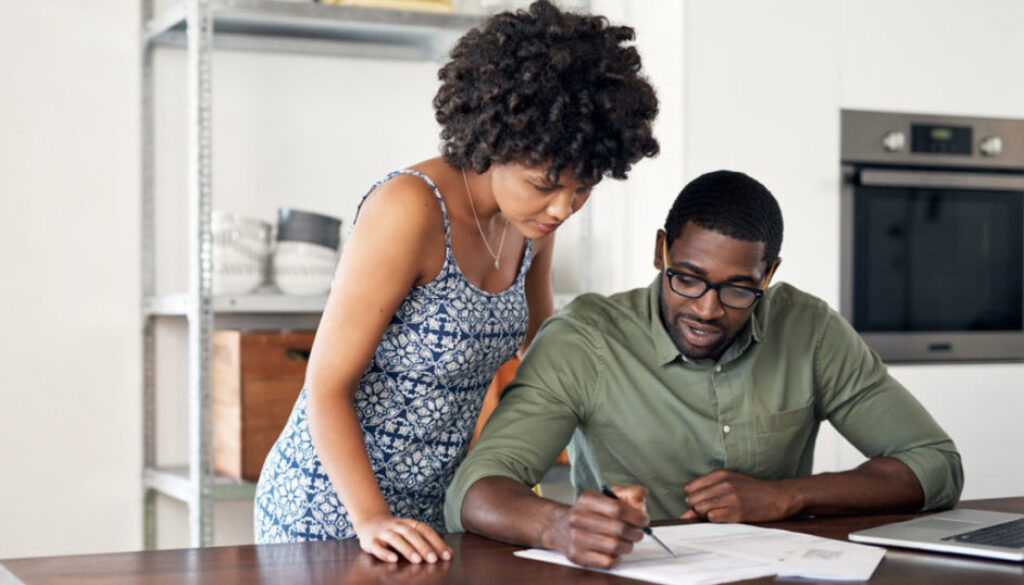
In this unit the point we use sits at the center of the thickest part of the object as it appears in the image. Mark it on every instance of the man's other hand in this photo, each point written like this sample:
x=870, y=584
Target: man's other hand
x=727, y=496
x=597, y=530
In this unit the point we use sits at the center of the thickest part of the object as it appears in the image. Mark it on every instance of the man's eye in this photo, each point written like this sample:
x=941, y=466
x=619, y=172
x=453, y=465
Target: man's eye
x=687, y=280
x=544, y=188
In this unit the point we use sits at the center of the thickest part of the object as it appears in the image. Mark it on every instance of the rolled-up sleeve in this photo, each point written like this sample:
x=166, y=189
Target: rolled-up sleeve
x=536, y=415
x=879, y=416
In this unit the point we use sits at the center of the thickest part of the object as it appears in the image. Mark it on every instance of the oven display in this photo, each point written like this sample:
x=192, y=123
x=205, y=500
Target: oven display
x=933, y=139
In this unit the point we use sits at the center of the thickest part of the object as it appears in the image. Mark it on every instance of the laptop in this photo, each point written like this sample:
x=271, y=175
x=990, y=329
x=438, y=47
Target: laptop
x=996, y=535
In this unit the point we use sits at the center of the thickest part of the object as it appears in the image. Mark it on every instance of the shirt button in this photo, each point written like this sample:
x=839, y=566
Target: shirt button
x=726, y=429
x=718, y=368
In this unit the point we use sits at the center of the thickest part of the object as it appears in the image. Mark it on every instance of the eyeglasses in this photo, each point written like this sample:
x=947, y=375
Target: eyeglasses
x=692, y=286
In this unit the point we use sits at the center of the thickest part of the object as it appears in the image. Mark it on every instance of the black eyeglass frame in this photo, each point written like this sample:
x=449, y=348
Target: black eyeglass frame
x=670, y=272
x=758, y=293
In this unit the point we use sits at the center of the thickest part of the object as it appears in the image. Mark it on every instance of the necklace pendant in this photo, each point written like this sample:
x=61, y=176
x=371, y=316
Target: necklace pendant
x=469, y=195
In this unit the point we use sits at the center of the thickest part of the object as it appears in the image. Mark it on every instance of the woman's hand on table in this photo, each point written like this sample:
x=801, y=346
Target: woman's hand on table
x=391, y=539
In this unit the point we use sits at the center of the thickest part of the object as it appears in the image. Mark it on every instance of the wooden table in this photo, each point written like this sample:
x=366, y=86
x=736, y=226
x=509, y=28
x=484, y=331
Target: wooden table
x=477, y=560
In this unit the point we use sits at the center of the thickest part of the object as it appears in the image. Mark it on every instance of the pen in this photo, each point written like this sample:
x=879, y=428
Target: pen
x=588, y=456
x=647, y=529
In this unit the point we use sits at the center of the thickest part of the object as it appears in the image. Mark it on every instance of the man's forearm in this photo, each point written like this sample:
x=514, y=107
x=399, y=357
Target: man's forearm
x=883, y=484
x=507, y=510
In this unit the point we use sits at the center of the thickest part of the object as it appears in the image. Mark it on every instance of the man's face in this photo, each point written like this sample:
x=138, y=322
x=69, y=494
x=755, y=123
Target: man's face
x=704, y=327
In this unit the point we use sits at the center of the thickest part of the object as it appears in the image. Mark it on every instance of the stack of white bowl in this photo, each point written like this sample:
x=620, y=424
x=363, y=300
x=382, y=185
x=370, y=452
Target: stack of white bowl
x=306, y=252
x=241, y=251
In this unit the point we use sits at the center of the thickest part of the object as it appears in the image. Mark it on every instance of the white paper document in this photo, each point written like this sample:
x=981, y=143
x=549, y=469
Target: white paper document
x=721, y=553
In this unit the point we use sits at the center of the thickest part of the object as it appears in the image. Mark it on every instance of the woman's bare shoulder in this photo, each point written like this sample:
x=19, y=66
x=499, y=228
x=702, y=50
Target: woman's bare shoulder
x=404, y=203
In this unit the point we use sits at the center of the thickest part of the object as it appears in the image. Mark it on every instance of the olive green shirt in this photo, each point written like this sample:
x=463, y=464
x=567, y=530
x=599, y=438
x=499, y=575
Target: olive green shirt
x=607, y=366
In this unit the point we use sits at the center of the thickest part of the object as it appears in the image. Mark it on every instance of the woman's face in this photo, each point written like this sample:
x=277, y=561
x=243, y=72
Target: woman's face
x=530, y=203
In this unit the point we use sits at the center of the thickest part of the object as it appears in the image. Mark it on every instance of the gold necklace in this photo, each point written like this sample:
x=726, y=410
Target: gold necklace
x=497, y=257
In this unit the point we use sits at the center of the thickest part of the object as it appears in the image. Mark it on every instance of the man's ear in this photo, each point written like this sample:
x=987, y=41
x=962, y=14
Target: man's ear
x=771, y=272
x=659, y=243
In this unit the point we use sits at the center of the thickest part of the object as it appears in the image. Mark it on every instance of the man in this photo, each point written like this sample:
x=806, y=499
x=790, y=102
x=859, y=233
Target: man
x=701, y=393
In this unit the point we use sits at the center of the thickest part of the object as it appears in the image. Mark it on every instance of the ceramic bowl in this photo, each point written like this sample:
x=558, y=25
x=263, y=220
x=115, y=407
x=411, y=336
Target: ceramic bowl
x=237, y=279
x=294, y=225
x=241, y=252
x=301, y=268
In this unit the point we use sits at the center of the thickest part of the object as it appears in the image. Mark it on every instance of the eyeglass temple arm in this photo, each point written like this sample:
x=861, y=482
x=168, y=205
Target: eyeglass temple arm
x=771, y=273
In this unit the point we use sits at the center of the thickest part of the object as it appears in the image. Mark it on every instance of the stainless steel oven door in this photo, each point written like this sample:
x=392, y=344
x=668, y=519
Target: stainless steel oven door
x=933, y=262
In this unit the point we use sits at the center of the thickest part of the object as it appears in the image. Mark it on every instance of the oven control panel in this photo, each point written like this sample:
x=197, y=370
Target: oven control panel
x=929, y=140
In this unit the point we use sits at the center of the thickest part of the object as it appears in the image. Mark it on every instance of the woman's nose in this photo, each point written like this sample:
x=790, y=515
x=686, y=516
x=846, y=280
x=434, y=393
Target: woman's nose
x=561, y=206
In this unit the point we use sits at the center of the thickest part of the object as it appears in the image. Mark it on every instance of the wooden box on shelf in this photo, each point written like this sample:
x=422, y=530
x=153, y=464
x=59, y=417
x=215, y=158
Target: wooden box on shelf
x=256, y=378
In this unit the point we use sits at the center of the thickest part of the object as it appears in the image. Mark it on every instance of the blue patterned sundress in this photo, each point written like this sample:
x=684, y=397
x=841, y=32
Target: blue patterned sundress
x=417, y=403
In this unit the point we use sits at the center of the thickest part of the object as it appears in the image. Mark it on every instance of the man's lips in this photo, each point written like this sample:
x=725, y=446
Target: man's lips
x=698, y=333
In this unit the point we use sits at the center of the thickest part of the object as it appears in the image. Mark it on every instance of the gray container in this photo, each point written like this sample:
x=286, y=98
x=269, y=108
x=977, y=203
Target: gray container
x=294, y=225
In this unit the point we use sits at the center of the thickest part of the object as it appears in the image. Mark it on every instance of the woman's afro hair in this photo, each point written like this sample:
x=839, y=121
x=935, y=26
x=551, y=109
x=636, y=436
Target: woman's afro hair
x=542, y=86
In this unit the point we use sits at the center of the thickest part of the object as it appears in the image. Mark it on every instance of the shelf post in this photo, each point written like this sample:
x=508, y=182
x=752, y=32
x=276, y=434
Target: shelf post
x=199, y=26
x=148, y=280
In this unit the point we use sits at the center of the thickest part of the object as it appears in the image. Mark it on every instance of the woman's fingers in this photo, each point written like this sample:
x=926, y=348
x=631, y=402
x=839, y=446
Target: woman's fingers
x=398, y=542
x=392, y=539
x=434, y=540
x=413, y=532
x=381, y=551
x=415, y=541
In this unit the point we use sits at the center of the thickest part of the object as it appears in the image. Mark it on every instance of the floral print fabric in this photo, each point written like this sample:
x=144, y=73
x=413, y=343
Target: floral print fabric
x=417, y=404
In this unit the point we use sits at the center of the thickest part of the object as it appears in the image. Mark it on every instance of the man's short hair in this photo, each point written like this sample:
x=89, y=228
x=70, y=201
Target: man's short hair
x=732, y=204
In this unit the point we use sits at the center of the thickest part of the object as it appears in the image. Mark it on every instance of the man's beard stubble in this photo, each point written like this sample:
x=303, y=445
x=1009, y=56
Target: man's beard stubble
x=685, y=349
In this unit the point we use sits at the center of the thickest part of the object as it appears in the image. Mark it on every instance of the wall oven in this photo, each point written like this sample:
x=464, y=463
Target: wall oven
x=932, y=235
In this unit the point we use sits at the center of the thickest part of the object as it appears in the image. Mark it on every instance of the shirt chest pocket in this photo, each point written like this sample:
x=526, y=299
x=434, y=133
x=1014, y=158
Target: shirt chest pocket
x=782, y=441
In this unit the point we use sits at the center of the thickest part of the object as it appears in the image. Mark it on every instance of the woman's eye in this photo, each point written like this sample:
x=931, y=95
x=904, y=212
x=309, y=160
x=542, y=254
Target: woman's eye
x=544, y=188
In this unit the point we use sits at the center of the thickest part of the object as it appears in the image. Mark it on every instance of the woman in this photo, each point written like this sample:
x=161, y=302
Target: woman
x=445, y=275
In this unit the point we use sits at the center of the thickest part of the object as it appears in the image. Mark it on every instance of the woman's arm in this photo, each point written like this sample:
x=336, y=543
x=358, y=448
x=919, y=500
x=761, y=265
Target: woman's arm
x=382, y=259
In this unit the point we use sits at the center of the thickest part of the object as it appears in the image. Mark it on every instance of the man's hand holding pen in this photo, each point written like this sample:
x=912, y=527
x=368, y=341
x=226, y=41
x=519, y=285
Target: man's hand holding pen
x=597, y=530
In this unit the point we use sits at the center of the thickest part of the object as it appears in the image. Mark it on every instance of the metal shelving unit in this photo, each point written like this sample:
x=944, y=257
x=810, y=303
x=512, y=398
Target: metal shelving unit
x=199, y=27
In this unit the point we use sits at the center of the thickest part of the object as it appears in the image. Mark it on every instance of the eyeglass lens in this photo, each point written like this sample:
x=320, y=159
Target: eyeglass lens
x=731, y=296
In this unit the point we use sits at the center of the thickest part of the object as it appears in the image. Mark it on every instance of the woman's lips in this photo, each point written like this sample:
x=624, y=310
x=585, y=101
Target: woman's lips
x=547, y=228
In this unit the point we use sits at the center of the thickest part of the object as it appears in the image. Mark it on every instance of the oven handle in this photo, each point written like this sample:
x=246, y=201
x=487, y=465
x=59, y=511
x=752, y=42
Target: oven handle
x=941, y=180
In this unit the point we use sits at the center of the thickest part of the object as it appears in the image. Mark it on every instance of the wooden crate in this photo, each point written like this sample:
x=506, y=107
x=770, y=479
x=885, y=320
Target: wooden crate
x=256, y=378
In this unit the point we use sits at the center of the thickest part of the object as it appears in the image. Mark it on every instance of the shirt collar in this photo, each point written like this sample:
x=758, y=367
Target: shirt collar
x=663, y=344
x=666, y=348
x=749, y=334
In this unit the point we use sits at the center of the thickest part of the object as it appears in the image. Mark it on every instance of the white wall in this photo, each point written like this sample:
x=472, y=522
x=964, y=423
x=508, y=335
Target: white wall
x=960, y=62
x=764, y=86
x=69, y=407
x=743, y=84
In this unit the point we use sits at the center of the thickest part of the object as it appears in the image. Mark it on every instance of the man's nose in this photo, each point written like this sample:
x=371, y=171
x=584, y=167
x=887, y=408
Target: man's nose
x=709, y=307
